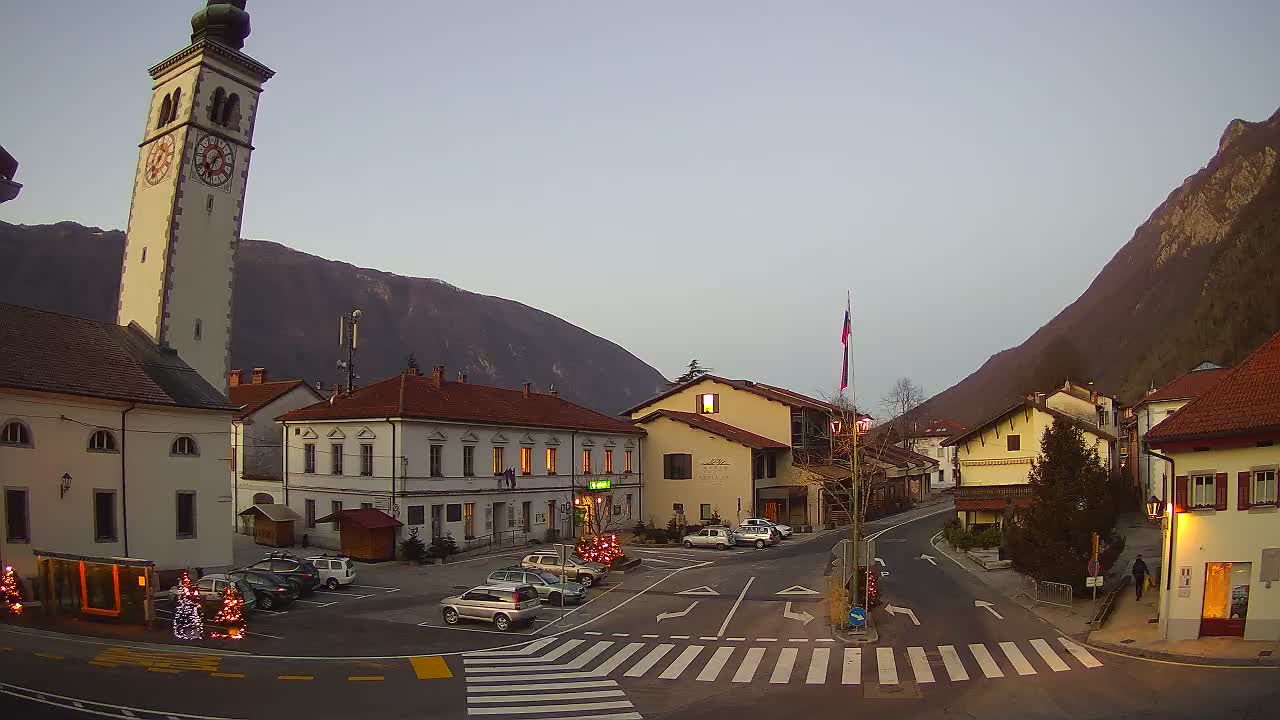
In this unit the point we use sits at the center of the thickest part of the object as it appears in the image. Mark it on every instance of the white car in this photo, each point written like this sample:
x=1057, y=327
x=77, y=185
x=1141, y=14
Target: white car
x=784, y=530
x=717, y=537
x=335, y=570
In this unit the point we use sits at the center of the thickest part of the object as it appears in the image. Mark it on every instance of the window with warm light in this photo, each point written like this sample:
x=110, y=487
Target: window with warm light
x=608, y=461
x=586, y=461
x=626, y=461
x=709, y=403
x=526, y=461
x=551, y=461
x=499, y=464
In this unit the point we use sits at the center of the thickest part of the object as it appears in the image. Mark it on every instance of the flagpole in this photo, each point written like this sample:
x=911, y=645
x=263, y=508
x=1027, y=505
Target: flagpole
x=853, y=458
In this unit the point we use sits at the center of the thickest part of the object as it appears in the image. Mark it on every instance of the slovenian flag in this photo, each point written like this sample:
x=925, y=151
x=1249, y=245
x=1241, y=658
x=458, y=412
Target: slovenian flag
x=845, y=332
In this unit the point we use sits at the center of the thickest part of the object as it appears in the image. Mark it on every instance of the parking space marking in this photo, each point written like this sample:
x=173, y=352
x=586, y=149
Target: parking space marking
x=319, y=604
x=226, y=675
x=472, y=629
x=295, y=677
x=365, y=678
x=378, y=587
x=346, y=595
x=430, y=667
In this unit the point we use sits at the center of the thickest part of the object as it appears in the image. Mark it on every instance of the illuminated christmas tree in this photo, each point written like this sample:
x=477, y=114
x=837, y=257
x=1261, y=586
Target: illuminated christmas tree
x=231, y=616
x=187, y=621
x=10, y=598
x=599, y=548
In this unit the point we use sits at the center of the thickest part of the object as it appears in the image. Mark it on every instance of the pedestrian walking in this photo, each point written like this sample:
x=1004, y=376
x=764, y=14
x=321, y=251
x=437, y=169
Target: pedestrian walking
x=1140, y=573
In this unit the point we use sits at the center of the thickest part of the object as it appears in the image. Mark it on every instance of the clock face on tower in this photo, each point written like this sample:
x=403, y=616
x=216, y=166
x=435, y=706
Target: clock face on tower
x=213, y=160
x=159, y=160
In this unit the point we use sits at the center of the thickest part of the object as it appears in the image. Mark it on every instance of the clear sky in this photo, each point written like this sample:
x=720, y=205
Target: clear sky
x=688, y=179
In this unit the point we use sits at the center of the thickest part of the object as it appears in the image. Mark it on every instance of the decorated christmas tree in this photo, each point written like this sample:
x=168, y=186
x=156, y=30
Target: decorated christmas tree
x=187, y=621
x=231, y=617
x=10, y=598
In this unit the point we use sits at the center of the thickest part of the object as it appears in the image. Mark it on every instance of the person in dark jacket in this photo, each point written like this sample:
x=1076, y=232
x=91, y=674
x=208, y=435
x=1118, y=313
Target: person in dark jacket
x=1140, y=573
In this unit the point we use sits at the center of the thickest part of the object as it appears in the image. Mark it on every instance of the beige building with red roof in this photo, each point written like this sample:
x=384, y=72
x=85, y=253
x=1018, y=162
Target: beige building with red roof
x=257, y=455
x=483, y=464
x=1221, y=556
x=1152, y=473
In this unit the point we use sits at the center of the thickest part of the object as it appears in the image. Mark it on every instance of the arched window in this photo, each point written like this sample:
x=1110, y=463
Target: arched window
x=166, y=106
x=173, y=111
x=215, y=106
x=231, y=112
x=263, y=499
x=102, y=441
x=184, y=445
x=15, y=433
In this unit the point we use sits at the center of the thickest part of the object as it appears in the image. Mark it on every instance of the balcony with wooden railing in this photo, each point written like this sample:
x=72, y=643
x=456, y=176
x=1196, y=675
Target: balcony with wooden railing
x=992, y=497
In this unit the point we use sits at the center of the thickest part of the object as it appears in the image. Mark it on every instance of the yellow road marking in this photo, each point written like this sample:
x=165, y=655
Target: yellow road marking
x=47, y=656
x=103, y=664
x=295, y=677
x=226, y=675
x=171, y=671
x=358, y=678
x=430, y=667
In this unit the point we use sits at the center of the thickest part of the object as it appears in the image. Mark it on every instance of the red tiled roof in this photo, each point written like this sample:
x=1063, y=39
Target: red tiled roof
x=899, y=456
x=1246, y=400
x=1187, y=386
x=418, y=397
x=45, y=351
x=724, y=430
x=771, y=392
x=253, y=397
x=977, y=504
x=367, y=518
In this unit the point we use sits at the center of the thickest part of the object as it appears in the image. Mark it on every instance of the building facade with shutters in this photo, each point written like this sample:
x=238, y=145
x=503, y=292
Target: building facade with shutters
x=1220, y=564
x=1150, y=473
x=927, y=439
x=447, y=457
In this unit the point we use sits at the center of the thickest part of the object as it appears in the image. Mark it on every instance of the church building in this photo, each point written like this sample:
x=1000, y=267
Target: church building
x=115, y=437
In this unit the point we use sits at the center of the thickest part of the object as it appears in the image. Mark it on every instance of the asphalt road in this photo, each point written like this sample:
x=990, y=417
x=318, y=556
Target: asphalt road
x=716, y=634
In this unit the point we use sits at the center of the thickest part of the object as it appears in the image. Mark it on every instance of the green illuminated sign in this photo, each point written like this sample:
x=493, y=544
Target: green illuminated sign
x=599, y=484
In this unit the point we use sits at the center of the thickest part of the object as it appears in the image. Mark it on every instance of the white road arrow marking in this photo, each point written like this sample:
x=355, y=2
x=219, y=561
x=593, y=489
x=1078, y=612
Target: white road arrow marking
x=894, y=610
x=797, y=590
x=881, y=561
x=703, y=590
x=802, y=616
x=682, y=613
x=929, y=558
x=987, y=605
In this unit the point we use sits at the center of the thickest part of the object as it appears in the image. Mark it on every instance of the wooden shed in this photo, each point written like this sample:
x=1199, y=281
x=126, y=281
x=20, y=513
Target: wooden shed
x=272, y=524
x=366, y=533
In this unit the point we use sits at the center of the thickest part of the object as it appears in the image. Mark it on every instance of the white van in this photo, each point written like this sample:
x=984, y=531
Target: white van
x=335, y=570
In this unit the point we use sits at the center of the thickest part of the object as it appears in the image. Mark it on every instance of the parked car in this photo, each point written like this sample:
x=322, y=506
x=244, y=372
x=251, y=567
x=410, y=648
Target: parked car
x=300, y=571
x=548, y=586
x=335, y=570
x=212, y=587
x=784, y=530
x=759, y=535
x=586, y=573
x=717, y=537
x=272, y=591
x=503, y=605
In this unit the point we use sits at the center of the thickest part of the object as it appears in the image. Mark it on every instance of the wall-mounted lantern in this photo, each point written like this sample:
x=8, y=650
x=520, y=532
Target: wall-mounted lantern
x=66, y=485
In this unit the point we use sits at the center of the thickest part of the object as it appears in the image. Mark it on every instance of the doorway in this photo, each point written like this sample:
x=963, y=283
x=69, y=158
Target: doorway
x=468, y=521
x=1226, y=599
x=437, y=521
x=526, y=515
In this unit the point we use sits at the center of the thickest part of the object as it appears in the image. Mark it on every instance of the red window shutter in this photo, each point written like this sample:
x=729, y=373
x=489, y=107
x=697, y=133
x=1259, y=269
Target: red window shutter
x=1180, y=494
x=1242, y=490
x=1220, y=488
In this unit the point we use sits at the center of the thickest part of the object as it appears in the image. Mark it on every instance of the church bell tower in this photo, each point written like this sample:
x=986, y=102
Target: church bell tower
x=188, y=192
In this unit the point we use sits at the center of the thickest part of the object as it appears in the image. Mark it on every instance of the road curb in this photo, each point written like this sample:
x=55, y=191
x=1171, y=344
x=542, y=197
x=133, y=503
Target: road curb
x=1149, y=654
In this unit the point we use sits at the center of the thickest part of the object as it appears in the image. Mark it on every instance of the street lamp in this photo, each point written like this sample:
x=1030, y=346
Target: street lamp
x=1155, y=507
x=66, y=485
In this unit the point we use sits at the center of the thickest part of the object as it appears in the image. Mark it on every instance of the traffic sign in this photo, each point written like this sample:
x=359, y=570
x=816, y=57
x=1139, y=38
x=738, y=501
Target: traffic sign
x=1093, y=582
x=857, y=617
x=601, y=484
x=1093, y=568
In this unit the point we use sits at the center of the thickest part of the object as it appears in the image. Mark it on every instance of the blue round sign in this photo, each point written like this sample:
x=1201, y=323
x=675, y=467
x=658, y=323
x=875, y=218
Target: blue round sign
x=857, y=617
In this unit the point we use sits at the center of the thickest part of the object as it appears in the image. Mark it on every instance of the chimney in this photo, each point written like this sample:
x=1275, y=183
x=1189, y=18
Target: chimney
x=437, y=375
x=259, y=375
x=554, y=392
x=525, y=389
x=320, y=386
x=462, y=377
x=235, y=377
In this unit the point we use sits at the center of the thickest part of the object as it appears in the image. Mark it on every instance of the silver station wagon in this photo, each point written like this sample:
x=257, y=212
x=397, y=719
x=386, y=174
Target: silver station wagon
x=501, y=605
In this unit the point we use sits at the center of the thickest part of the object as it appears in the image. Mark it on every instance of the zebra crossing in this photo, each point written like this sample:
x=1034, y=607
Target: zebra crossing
x=567, y=677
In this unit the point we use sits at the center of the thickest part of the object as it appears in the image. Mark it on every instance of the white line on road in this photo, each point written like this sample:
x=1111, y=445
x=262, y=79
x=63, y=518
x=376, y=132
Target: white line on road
x=679, y=637
x=526, y=687
x=985, y=661
x=766, y=639
x=318, y=604
x=522, y=659
x=747, y=670
x=528, y=649
x=388, y=589
x=581, y=675
x=818, y=666
x=592, y=632
x=920, y=665
x=782, y=668
x=345, y=595
x=851, y=671
x=708, y=637
x=716, y=664
x=725, y=625
x=1080, y=653
x=878, y=533
x=643, y=636
x=646, y=664
x=1018, y=660
x=584, y=695
x=618, y=658
x=526, y=709
x=951, y=660
x=741, y=639
x=1047, y=654
x=677, y=667
x=887, y=666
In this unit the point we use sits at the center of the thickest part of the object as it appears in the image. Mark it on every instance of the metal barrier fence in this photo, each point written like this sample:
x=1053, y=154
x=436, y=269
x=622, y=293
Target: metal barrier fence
x=1051, y=593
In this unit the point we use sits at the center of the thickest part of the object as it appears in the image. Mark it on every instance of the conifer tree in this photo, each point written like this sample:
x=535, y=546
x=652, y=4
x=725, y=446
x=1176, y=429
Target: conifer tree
x=187, y=621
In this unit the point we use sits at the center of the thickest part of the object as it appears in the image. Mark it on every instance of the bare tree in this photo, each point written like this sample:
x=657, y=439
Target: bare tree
x=902, y=398
x=831, y=473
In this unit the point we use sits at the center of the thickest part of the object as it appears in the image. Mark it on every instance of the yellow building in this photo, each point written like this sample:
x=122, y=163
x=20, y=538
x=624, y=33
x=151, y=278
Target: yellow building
x=1220, y=570
x=994, y=458
x=728, y=448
